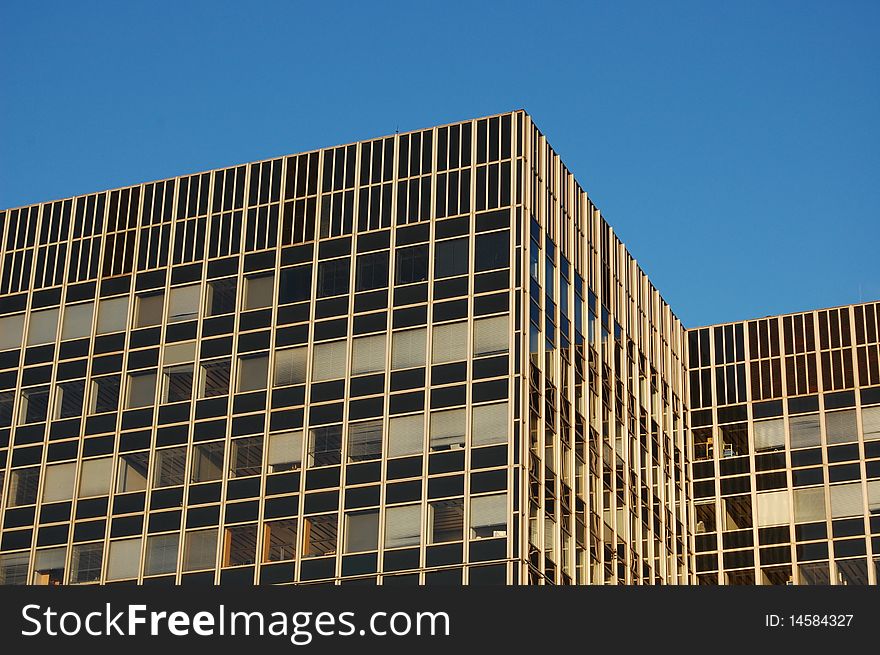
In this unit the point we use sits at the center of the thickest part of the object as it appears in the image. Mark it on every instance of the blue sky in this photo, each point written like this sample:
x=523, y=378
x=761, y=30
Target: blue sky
x=735, y=147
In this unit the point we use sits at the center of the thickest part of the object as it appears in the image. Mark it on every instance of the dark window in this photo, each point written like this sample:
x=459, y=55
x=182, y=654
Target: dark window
x=105, y=394
x=35, y=404
x=372, y=271
x=70, y=398
x=325, y=445
x=221, y=296
x=296, y=284
x=333, y=277
x=451, y=258
x=412, y=265
x=492, y=250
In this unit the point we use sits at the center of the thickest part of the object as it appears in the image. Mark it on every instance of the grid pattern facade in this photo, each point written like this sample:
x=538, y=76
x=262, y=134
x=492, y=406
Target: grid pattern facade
x=785, y=414
x=420, y=359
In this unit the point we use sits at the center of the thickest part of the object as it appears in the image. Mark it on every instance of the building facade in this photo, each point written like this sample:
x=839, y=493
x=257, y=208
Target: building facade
x=418, y=359
x=785, y=415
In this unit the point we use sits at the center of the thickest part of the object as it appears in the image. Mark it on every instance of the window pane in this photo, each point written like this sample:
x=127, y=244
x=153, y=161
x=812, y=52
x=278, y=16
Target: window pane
x=95, y=477
x=804, y=431
x=14, y=568
x=253, y=371
x=259, y=291
x=285, y=451
x=280, y=541
x=42, y=326
x=329, y=361
x=7, y=405
x=333, y=277
x=809, y=505
x=489, y=516
x=133, y=472
x=840, y=427
x=200, y=550
x=492, y=251
x=69, y=401
x=59, y=482
x=85, y=563
x=846, y=500
x=772, y=508
x=445, y=520
x=49, y=566
x=490, y=336
x=361, y=531
x=149, y=309
x=11, y=328
x=320, y=535
x=290, y=366
x=161, y=554
x=403, y=526
x=372, y=271
x=451, y=258
x=408, y=348
x=489, y=424
x=411, y=265
x=221, y=296
x=447, y=429
x=247, y=456
x=871, y=423
x=208, y=461
x=365, y=441
x=184, y=303
x=178, y=383
x=240, y=547
x=23, y=484
x=449, y=343
x=141, y=390
x=215, y=378
x=112, y=314
x=368, y=354
x=124, y=559
x=170, y=467
x=34, y=404
x=769, y=435
x=296, y=284
x=179, y=353
x=406, y=435
x=105, y=394
x=77, y=321
x=325, y=445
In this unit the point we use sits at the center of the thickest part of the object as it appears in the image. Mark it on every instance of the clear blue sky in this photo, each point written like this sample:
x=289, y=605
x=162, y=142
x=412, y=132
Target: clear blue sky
x=735, y=147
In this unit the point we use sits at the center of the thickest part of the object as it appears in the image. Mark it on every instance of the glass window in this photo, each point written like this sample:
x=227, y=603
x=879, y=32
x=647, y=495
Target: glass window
x=489, y=516
x=200, y=550
x=769, y=435
x=124, y=559
x=449, y=343
x=11, y=328
x=184, y=303
x=14, y=568
x=361, y=531
x=259, y=291
x=492, y=251
x=179, y=353
x=85, y=563
x=7, y=405
x=208, y=461
x=368, y=354
x=161, y=554
x=408, y=348
x=253, y=371
x=69, y=398
x=221, y=296
x=491, y=336
x=406, y=435
x=320, y=535
x=411, y=265
x=451, y=258
x=365, y=441
x=445, y=520
x=214, y=380
x=96, y=477
x=290, y=366
x=149, y=309
x=141, y=389
x=447, y=429
x=846, y=500
x=133, y=472
x=170, y=467
x=23, y=484
x=333, y=277
x=296, y=284
x=372, y=271
x=809, y=505
x=279, y=540
x=285, y=451
x=42, y=326
x=325, y=445
x=871, y=422
x=329, y=361
x=403, y=526
x=840, y=427
x=240, y=545
x=247, y=456
x=77, y=321
x=112, y=314
x=105, y=394
x=34, y=404
x=59, y=482
x=772, y=508
x=489, y=424
x=177, y=383
x=49, y=566
x=804, y=431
